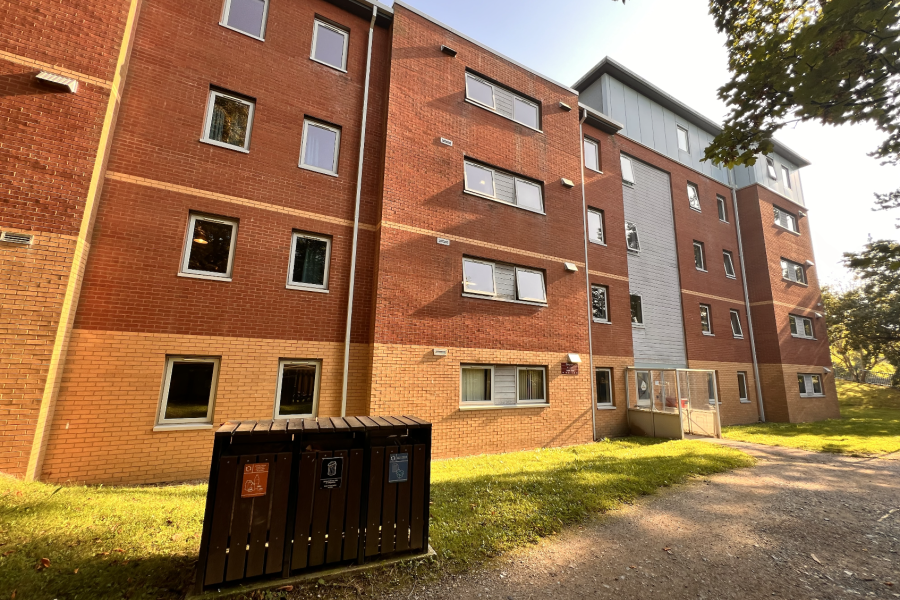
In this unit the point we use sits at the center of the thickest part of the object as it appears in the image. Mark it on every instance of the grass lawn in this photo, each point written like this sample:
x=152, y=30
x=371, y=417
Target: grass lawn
x=869, y=425
x=140, y=543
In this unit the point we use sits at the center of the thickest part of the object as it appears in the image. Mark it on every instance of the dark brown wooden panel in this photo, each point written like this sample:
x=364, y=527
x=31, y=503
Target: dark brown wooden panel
x=221, y=520
x=368, y=422
x=263, y=426
x=305, y=492
x=310, y=425
x=259, y=523
x=245, y=427
x=319, y=525
x=227, y=428
x=354, y=423
x=383, y=422
x=354, y=493
x=417, y=506
x=325, y=424
x=373, y=518
x=388, y=507
x=279, y=425
x=403, y=503
x=240, y=526
x=295, y=425
x=336, y=515
x=339, y=424
x=278, y=519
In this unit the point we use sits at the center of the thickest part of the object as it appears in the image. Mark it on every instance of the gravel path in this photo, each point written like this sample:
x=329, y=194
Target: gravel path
x=799, y=525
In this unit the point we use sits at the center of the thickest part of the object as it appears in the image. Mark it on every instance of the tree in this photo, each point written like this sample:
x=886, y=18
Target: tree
x=848, y=327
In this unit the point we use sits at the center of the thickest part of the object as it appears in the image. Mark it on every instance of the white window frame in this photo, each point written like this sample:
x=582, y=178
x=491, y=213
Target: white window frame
x=770, y=169
x=316, y=387
x=643, y=402
x=739, y=334
x=605, y=303
x=293, y=285
x=624, y=160
x=798, y=321
x=722, y=208
x=810, y=388
x=611, y=389
x=601, y=216
x=687, y=139
x=537, y=110
x=493, y=107
x=544, y=400
x=691, y=186
x=184, y=271
x=728, y=259
x=708, y=309
x=637, y=237
x=702, y=265
x=337, y=147
x=790, y=214
x=543, y=285
x=745, y=399
x=791, y=269
x=167, y=380
x=643, y=320
x=493, y=277
x=596, y=145
x=516, y=181
x=207, y=121
x=787, y=177
x=315, y=37
x=490, y=400
x=226, y=9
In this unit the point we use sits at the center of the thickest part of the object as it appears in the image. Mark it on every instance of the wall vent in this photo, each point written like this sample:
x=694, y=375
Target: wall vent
x=58, y=81
x=448, y=51
x=15, y=238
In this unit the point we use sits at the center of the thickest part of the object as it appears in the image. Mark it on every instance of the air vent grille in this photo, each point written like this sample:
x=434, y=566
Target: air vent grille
x=15, y=238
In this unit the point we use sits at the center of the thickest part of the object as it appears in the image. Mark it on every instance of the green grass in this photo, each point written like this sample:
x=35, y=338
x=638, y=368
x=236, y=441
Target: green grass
x=482, y=506
x=869, y=425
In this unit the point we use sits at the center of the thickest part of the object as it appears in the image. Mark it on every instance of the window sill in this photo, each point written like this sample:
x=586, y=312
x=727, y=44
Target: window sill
x=593, y=169
x=744, y=401
x=726, y=222
x=628, y=183
x=709, y=334
x=224, y=145
x=797, y=233
x=496, y=299
x=486, y=197
x=200, y=276
x=695, y=209
x=602, y=322
x=301, y=288
x=638, y=325
x=182, y=427
x=701, y=270
x=317, y=170
x=730, y=277
x=596, y=242
x=812, y=395
x=800, y=283
x=493, y=110
x=503, y=406
x=803, y=337
x=330, y=66
x=738, y=337
x=631, y=251
x=605, y=407
x=249, y=35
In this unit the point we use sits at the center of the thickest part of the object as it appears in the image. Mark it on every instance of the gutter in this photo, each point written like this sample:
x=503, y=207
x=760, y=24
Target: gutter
x=587, y=281
x=359, y=173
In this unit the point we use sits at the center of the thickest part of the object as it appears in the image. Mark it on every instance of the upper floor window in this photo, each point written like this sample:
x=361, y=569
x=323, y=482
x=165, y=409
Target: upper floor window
x=736, y=328
x=209, y=247
x=503, y=101
x=627, y=170
x=699, y=256
x=310, y=257
x=770, y=168
x=595, y=226
x=637, y=309
x=706, y=319
x=600, y=303
x=786, y=220
x=810, y=385
x=246, y=16
x=503, y=281
x=729, y=264
x=503, y=187
x=320, y=148
x=693, y=196
x=298, y=388
x=723, y=209
x=787, y=176
x=228, y=121
x=631, y=237
x=801, y=327
x=793, y=271
x=683, y=143
x=591, y=154
x=329, y=45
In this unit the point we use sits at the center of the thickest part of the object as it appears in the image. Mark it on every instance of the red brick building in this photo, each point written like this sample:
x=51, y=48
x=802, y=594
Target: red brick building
x=330, y=207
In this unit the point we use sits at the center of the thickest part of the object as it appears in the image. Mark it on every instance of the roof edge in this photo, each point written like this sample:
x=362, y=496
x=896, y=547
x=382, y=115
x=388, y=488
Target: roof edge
x=597, y=119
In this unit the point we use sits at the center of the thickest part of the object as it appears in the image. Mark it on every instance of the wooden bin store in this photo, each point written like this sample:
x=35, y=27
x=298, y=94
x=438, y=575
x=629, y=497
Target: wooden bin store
x=290, y=496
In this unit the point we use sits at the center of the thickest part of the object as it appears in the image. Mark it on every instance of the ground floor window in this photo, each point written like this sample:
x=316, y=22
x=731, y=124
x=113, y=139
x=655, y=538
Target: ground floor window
x=711, y=387
x=298, y=389
x=532, y=384
x=189, y=390
x=603, y=382
x=742, y=387
x=503, y=385
x=810, y=385
x=477, y=384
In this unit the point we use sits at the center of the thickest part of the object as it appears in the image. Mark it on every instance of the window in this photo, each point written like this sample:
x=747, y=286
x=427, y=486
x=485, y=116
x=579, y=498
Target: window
x=329, y=45
x=786, y=220
x=742, y=387
x=595, y=226
x=723, y=209
x=729, y=264
x=603, y=382
x=711, y=387
x=801, y=327
x=209, y=247
x=502, y=101
x=706, y=319
x=793, y=271
x=530, y=285
x=503, y=281
x=736, y=328
x=599, y=303
x=320, y=148
x=693, y=196
x=770, y=168
x=298, y=389
x=644, y=390
x=478, y=277
x=228, y=121
x=637, y=310
x=631, y=237
x=787, y=176
x=246, y=16
x=810, y=385
x=532, y=385
x=477, y=384
x=627, y=170
x=310, y=258
x=699, y=256
x=683, y=143
x=503, y=187
x=189, y=390
x=591, y=154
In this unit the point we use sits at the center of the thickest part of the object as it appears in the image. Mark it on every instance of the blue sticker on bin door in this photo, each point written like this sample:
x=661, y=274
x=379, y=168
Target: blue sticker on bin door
x=398, y=471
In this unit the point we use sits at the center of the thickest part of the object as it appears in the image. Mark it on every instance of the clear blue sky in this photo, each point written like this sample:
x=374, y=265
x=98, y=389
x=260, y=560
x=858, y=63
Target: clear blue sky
x=674, y=44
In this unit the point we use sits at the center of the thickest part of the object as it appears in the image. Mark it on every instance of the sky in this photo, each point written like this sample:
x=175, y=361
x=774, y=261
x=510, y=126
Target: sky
x=674, y=45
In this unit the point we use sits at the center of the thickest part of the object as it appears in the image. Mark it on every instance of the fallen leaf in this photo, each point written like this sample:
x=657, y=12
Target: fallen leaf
x=76, y=571
x=285, y=588
x=102, y=554
x=633, y=567
x=14, y=595
x=8, y=552
x=889, y=583
x=119, y=550
x=43, y=564
x=168, y=521
x=816, y=558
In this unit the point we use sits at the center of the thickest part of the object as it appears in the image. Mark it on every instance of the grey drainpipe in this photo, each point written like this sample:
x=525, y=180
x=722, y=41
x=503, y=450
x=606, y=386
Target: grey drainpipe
x=359, y=172
x=737, y=224
x=587, y=280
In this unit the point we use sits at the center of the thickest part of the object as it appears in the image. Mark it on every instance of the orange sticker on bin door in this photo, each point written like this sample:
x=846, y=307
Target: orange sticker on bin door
x=256, y=477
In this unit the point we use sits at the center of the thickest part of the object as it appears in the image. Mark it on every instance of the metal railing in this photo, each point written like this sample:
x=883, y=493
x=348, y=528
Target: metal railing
x=870, y=378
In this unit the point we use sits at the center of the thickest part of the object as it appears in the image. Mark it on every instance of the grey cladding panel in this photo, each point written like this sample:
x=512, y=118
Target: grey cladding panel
x=617, y=103
x=653, y=273
x=593, y=96
x=505, y=186
x=504, y=101
x=646, y=118
x=632, y=114
x=505, y=277
x=504, y=384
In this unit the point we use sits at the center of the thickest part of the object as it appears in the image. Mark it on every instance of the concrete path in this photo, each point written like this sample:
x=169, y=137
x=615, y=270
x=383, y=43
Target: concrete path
x=799, y=525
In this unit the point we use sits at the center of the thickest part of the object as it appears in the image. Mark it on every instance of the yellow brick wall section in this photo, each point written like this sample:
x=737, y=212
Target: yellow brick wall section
x=781, y=382
x=731, y=410
x=614, y=422
x=102, y=430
